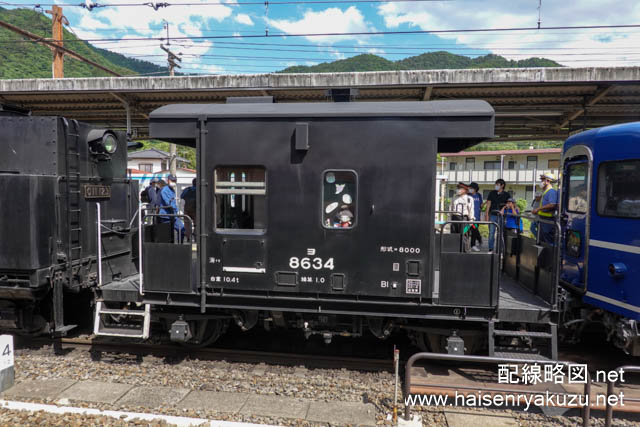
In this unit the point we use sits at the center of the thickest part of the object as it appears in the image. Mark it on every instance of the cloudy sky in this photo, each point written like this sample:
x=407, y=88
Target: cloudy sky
x=209, y=53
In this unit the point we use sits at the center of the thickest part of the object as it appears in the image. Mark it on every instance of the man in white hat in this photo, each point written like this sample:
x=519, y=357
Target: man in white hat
x=548, y=207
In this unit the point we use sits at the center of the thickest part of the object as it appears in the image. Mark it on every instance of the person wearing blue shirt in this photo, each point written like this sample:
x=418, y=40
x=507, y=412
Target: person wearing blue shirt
x=189, y=197
x=166, y=199
x=511, y=215
x=476, y=238
x=548, y=206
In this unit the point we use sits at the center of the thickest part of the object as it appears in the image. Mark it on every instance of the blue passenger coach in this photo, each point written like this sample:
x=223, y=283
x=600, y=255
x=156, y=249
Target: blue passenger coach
x=600, y=219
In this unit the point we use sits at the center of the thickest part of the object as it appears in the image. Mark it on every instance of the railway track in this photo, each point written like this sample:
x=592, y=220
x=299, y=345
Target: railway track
x=98, y=346
x=450, y=378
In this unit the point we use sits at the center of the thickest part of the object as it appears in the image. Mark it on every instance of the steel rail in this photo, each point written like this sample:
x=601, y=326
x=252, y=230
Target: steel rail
x=467, y=359
x=97, y=346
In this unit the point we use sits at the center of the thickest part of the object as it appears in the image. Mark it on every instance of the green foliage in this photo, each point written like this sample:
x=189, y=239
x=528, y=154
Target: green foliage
x=521, y=204
x=495, y=146
x=186, y=152
x=137, y=65
x=25, y=59
x=364, y=62
x=425, y=61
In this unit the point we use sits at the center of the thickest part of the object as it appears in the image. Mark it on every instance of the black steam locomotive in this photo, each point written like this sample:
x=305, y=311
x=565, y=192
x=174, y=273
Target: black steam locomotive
x=55, y=176
x=312, y=216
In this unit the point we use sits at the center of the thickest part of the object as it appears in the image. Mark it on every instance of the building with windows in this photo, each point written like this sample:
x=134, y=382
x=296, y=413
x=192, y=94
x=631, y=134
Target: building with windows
x=519, y=168
x=153, y=160
x=153, y=163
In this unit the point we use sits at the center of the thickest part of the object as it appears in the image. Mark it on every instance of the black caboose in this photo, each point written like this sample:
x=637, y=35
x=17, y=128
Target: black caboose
x=56, y=175
x=321, y=216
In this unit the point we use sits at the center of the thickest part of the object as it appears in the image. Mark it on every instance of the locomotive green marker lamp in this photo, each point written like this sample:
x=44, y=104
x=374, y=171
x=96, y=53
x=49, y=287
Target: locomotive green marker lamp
x=102, y=141
x=109, y=143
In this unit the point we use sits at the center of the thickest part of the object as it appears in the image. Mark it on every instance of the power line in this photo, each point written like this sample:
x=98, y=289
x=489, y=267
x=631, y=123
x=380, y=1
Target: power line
x=158, y=5
x=410, y=47
x=336, y=48
x=367, y=33
x=412, y=52
x=316, y=59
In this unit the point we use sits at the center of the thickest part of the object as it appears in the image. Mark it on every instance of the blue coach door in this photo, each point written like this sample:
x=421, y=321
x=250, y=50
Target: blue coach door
x=575, y=214
x=614, y=246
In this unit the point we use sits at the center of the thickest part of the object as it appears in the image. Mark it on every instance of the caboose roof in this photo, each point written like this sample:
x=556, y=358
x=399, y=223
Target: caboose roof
x=457, y=108
x=472, y=121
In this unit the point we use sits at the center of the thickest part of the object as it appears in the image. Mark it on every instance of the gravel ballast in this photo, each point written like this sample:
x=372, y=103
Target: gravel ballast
x=313, y=384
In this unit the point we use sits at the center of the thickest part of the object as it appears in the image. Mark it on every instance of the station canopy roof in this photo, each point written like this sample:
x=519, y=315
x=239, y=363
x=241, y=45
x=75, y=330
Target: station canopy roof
x=530, y=103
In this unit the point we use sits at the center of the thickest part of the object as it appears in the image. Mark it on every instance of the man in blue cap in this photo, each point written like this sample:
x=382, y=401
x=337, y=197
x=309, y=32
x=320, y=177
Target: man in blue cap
x=167, y=201
x=547, y=208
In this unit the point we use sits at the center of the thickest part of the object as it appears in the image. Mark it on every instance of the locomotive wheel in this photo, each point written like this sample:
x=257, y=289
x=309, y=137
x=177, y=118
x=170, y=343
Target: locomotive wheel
x=431, y=343
x=206, y=332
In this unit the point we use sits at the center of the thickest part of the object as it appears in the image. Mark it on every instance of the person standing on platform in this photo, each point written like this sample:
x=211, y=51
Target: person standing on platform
x=149, y=193
x=547, y=209
x=495, y=202
x=463, y=206
x=167, y=201
x=189, y=197
x=476, y=238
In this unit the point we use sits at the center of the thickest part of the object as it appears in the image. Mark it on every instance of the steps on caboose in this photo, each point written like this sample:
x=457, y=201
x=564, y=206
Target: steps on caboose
x=126, y=290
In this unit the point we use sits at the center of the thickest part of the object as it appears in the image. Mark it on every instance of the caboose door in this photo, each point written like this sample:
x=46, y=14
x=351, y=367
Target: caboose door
x=574, y=215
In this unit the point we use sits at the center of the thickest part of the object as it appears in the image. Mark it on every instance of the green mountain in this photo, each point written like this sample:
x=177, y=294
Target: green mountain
x=25, y=59
x=425, y=61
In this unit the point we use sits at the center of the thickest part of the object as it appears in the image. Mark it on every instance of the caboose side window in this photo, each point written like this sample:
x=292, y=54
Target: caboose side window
x=240, y=193
x=619, y=189
x=339, y=199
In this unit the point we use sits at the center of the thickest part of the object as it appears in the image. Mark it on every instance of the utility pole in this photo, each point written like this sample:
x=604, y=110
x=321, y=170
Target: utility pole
x=171, y=61
x=57, y=67
x=55, y=46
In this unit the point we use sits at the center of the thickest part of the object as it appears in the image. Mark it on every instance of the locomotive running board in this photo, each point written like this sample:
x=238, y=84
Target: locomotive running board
x=100, y=329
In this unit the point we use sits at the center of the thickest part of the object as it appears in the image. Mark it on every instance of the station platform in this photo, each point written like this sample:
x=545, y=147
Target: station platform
x=64, y=391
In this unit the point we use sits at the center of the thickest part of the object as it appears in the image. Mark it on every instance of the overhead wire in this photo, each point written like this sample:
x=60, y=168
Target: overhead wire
x=335, y=48
x=316, y=59
x=360, y=33
x=216, y=3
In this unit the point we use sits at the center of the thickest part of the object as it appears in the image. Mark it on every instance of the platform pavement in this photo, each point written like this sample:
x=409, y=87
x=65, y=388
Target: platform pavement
x=461, y=418
x=353, y=413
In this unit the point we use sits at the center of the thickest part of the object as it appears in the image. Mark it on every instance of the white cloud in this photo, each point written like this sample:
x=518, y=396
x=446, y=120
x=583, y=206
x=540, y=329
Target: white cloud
x=376, y=51
x=136, y=22
x=586, y=47
x=336, y=53
x=331, y=20
x=243, y=18
x=196, y=67
x=88, y=21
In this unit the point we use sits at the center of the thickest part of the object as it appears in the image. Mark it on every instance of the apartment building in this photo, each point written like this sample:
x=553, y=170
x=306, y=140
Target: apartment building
x=519, y=168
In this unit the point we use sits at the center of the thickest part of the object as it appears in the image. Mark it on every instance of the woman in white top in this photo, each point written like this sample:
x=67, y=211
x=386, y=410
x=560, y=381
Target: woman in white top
x=462, y=204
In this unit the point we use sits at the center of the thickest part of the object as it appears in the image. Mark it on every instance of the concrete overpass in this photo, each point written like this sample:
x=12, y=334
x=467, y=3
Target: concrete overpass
x=530, y=103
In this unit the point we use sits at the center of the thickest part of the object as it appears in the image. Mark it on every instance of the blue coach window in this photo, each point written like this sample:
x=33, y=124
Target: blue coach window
x=339, y=189
x=240, y=193
x=577, y=189
x=619, y=189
